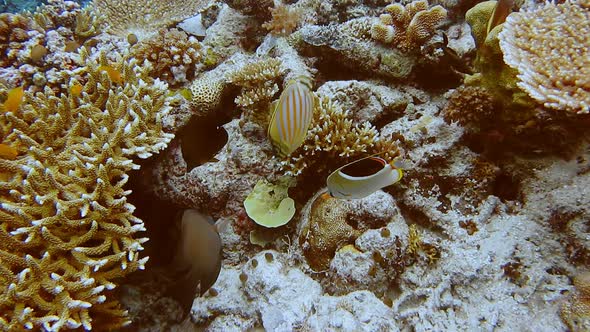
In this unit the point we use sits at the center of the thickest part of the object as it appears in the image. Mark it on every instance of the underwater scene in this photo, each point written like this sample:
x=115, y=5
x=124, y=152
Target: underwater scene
x=295, y=165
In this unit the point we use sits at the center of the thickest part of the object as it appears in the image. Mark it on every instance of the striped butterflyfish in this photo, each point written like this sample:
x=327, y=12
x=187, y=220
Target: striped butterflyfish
x=362, y=177
x=291, y=116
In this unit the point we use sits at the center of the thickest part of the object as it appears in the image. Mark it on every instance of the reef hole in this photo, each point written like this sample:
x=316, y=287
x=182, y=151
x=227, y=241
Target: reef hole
x=507, y=188
x=202, y=138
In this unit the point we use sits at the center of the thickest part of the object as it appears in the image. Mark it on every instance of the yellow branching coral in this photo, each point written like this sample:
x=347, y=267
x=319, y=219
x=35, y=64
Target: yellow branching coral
x=258, y=80
x=145, y=17
x=550, y=48
x=87, y=24
x=333, y=135
x=66, y=228
x=173, y=54
x=408, y=27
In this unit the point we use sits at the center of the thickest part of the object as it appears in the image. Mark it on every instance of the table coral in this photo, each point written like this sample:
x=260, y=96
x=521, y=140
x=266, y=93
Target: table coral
x=67, y=230
x=408, y=27
x=550, y=48
x=145, y=17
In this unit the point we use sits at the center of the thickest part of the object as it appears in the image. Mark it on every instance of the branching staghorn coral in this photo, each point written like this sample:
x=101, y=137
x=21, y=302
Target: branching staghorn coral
x=333, y=135
x=285, y=20
x=66, y=228
x=550, y=48
x=173, y=54
x=408, y=27
x=145, y=17
x=258, y=82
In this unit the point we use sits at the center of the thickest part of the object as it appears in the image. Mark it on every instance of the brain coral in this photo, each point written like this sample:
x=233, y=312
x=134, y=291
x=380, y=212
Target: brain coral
x=66, y=228
x=550, y=48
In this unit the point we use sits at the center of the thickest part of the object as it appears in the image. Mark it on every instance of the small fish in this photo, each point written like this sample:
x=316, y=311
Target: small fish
x=113, y=73
x=502, y=9
x=292, y=116
x=7, y=152
x=14, y=98
x=197, y=261
x=363, y=177
x=76, y=89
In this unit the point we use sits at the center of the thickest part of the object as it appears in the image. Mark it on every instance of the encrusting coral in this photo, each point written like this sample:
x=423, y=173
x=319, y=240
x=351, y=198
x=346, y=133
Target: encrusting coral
x=576, y=311
x=550, y=48
x=408, y=27
x=67, y=230
x=472, y=107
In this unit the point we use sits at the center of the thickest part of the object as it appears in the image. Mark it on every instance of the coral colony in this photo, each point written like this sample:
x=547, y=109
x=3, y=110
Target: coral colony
x=254, y=150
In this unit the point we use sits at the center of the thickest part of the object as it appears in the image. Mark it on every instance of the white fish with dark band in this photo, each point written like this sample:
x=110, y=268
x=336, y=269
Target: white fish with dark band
x=363, y=177
x=292, y=116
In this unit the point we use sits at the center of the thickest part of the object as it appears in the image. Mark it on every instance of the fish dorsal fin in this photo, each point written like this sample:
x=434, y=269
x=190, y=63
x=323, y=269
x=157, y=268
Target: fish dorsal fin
x=364, y=167
x=502, y=9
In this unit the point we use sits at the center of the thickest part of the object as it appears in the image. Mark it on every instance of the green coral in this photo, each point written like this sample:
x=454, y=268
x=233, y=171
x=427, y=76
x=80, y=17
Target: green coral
x=269, y=204
x=493, y=74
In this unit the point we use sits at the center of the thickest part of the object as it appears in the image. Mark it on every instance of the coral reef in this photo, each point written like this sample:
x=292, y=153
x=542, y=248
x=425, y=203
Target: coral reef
x=553, y=68
x=144, y=18
x=284, y=20
x=333, y=136
x=408, y=27
x=173, y=54
x=576, y=312
x=484, y=231
x=67, y=228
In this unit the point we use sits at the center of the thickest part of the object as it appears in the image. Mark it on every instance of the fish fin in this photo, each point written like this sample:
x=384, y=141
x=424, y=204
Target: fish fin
x=502, y=9
x=184, y=291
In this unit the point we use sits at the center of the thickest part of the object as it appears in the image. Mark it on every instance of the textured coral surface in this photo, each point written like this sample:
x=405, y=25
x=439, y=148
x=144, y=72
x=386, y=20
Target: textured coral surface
x=67, y=228
x=487, y=229
x=550, y=48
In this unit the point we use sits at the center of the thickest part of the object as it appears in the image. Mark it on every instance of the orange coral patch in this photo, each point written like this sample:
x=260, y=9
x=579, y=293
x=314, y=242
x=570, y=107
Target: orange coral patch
x=14, y=99
x=76, y=89
x=7, y=152
x=113, y=73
